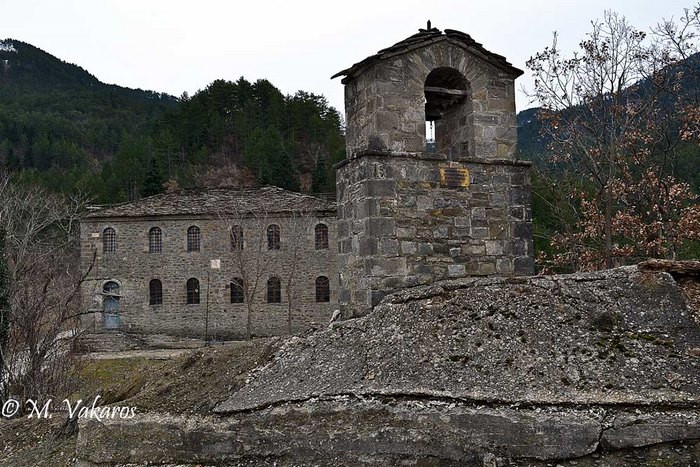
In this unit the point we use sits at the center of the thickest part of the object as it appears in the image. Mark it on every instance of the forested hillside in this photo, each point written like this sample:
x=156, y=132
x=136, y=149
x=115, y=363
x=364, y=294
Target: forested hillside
x=534, y=141
x=63, y=128
x=288, y=141
x=58, y=123
x=556, y=178
x=616, y=145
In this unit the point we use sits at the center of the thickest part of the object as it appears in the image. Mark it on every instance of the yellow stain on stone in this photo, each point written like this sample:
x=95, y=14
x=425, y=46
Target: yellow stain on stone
x=480, y=95
x=453, y=177
x=503, y=150
x=446, y=212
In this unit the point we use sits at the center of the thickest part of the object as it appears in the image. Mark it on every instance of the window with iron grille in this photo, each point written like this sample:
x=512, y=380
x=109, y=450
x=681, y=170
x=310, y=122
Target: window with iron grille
x=109, y=240
x=236, y=237
x=323, y=289
x=155, y=292
x=274, y=290
x=155, y=240
x=237, y=290
x=273, y=237
x=111, y=288
x=192, y=291
x=321, y=236
x=194, y=239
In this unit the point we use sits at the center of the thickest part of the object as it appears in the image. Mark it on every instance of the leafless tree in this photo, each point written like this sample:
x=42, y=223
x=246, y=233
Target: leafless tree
x=256, y=253
x=607, y=110
x=677, y=43
x=43, y=289
x=296, y=228
x=249, y=255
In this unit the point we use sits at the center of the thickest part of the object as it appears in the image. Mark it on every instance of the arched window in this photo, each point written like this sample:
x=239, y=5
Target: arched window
x=274, y=290
x=155, y=240
x=323, y=289
x=194, y=239
x=192, y=291
x=109, y=240
x=237, y=290
x=321, y=236
x=273, y=237
x=155, y=292
x=111, y=288
x=236, y=237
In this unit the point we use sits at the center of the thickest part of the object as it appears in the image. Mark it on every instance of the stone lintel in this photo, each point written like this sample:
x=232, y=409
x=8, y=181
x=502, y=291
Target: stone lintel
x=430, y=157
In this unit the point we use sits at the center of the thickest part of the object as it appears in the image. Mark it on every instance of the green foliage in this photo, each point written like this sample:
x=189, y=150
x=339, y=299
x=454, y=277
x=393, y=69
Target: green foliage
x=66, y=130
x=319, y=177
x=49, y=106
x=323, y=176
x=154, y=179
x=552, y=210
x=687, y=167
x=126, y=176
x=267, y=157
x=59, y=124
x=276, y=136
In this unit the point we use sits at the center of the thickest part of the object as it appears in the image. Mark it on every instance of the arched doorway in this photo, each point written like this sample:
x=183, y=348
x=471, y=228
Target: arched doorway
x=110, y=305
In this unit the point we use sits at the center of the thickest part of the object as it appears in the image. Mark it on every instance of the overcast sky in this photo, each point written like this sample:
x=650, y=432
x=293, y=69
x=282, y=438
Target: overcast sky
x=174, y=46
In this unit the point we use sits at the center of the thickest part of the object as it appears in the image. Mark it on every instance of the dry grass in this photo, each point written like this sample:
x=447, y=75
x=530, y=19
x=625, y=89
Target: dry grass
x=193, y=382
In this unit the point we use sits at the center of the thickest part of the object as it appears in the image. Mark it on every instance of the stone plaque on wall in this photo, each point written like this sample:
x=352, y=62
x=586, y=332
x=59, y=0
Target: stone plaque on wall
x=452, y=177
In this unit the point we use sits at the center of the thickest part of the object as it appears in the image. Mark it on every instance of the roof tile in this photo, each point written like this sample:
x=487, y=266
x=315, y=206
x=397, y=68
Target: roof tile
x=216, y=201
x=423, y=38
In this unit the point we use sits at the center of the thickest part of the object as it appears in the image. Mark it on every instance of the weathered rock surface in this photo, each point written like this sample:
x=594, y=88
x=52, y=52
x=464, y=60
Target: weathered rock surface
x=635, y=430
x=594, y=368
x=614, y=337
x=346, y=428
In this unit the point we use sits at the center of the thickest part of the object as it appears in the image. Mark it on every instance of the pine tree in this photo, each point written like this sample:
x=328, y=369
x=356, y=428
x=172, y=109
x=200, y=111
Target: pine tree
x=268, y=158
x=282, y=173
x=319, y=178
x=256, y=156
x=153, y=183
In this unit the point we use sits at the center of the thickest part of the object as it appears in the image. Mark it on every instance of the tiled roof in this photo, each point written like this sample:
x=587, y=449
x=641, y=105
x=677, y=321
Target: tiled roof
x=217, y=201
x=430, y=36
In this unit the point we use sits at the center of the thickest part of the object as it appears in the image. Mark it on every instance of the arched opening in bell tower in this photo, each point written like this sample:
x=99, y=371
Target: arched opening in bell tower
x=448, y=113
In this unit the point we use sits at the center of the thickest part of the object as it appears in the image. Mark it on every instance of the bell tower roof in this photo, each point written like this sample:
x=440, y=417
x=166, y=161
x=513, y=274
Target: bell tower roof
x=425, y=37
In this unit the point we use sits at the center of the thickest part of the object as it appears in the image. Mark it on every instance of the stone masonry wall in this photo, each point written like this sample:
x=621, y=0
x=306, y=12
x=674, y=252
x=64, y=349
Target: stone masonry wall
x=407, y=217
x=132, y=267
x=400, y=226
x=385, y=106
x=453, y=137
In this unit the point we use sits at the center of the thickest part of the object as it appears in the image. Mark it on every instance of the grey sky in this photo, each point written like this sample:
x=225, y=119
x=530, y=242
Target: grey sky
x=174, y=46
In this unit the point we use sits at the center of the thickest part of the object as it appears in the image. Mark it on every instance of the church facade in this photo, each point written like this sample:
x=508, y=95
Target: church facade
x=211, y=264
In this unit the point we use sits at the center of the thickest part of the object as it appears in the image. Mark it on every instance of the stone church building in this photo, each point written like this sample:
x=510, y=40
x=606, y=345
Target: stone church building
x=176, y=263
x=407, y=213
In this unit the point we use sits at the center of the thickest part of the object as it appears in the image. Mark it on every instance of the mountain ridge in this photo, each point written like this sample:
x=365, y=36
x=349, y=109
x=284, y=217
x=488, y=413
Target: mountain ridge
x=63, y=128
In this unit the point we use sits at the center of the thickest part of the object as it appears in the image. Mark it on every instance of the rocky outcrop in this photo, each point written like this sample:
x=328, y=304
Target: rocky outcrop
x=347, y=430
x=613, y=337
x=481, y=371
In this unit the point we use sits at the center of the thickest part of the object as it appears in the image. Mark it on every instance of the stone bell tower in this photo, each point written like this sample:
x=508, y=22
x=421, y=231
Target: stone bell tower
x=409, y=215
